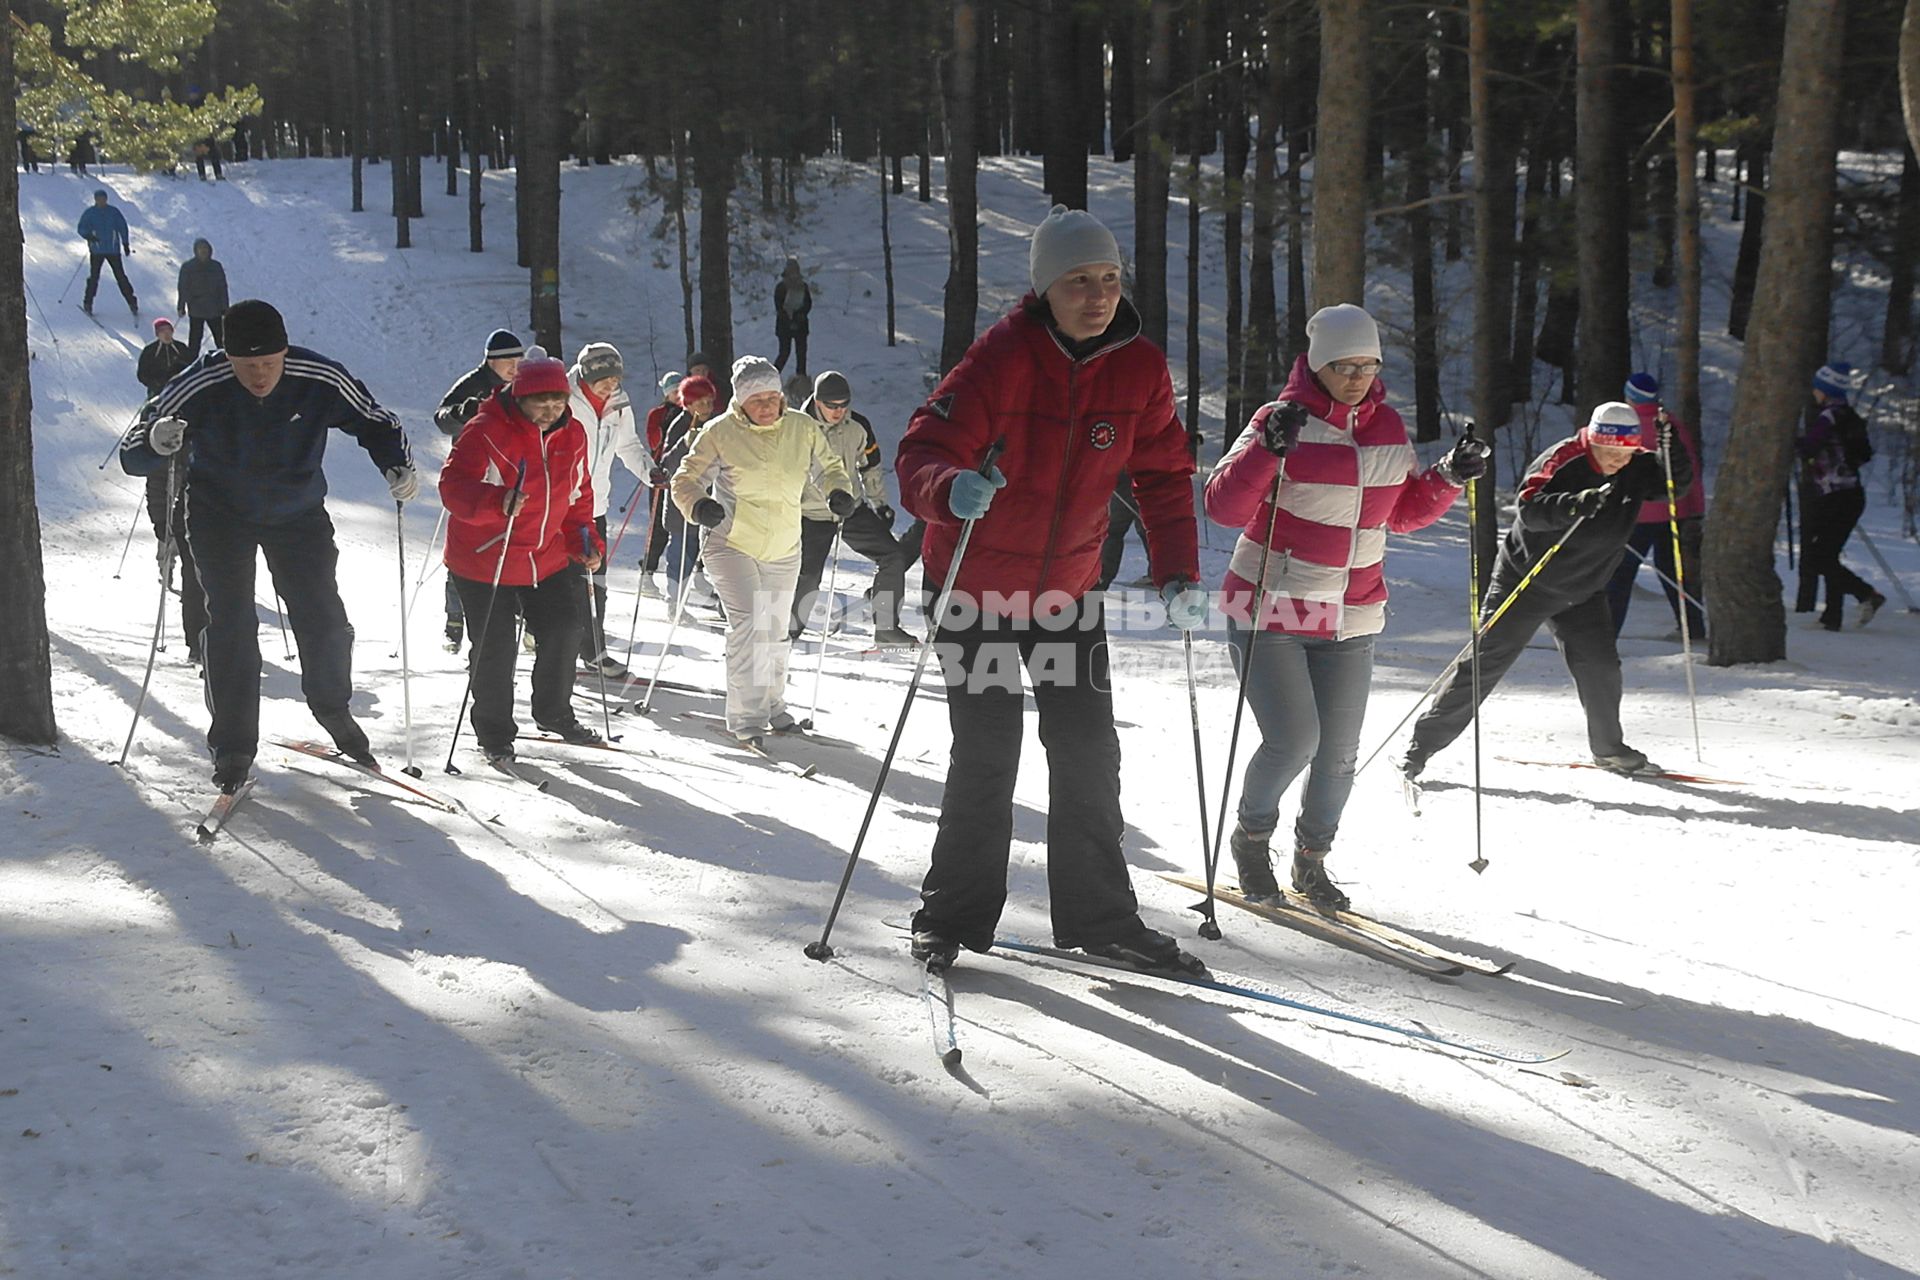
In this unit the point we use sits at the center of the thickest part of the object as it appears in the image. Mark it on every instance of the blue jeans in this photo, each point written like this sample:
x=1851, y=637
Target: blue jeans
x=1308, y=696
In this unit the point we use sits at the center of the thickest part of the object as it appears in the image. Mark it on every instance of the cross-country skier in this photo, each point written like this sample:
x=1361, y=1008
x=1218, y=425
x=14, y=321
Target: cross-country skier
x=655, y=431
x=697, y=396
x=601, y=406
x=1832, y=452
x=1349, y=479
x=254, y=420
x=1653, y=536
x=104, y=228
x=498, y=363
x=162, y=358
x=758, y=457
x=526, y=425
x=1079, y=396
x=868, y=529
x=1583, y=494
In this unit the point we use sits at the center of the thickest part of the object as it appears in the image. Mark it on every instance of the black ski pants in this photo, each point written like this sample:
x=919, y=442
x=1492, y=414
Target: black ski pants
x=193, y=601
x=302, y=559
x=552, y=608
x=1583, y=630
x=867, y=534
x=198, y=325
x=795, y=345
x=593, y=640
x=1827, y=522
x=966, y=887
x=119, y=275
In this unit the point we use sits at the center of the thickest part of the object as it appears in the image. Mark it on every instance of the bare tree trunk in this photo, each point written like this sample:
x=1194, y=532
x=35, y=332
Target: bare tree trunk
x=396, y=138
x=1910, y=71
x=1199, y=139
x=1256, y=368
x=680, y=232
x=1150, y=168
x=476, y=240
x=886, y=244
x=1526, y=274
x=1784, y=345
x=1340, y=157
x=1298, y=76
x=713, y=169
x=1746, y=265
x=541, y=156
x=1234, y=150
x=1490, y=403
x=1416, y=155
x=1896, y=335
x=26, y=662
x=1600, y=209
x=1066, y=156
x=1686, y=150
x=963, y=201
x=357, y=89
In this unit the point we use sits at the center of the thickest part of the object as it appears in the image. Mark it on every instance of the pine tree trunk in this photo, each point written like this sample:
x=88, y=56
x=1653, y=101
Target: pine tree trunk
x=1262, y=314
x=1234, y=151
x=886, y=245
x=1910, y=72
x=1416, y=156
x=476, y=239
x=357, y=89
x=713, y=169
x=1600, y=208
x=396, y=138
x=1896, y=340
x=1300, y=77
x=1686, y=191
x=680, y=234
x=542, y=158
x=1340, y=156
x=1066, y=155
x=1746, y=266
x=1151, y=177
x=1526, y=273
x=1490, y=404
x=1120, y=95
x=963, y=203
x=1784, y=344
x=26, y=662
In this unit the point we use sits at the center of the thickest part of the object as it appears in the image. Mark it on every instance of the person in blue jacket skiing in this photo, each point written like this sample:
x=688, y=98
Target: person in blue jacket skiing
x=253, y=421
x=104, y=228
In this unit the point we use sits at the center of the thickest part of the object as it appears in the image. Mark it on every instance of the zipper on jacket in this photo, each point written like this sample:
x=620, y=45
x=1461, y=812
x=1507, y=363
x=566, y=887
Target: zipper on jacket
x=1060, y=489
x=1359, y=507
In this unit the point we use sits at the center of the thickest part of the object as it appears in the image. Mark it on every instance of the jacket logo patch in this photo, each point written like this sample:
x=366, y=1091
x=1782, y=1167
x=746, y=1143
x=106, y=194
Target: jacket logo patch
x=1102, y=435
x=942, y=405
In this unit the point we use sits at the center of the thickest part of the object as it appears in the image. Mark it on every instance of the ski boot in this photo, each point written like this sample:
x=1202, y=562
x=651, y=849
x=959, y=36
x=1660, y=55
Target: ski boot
x=1310, y=879
x=1627, y=762
x=1148, y=949
x=230, y=769
x=347, y=735
x=934, y=949
x=498, y=757
x=894, y=638
x=456, y=632
x=576, y=733
x=606, y=665
x=1868, y=607
x=1254, y=863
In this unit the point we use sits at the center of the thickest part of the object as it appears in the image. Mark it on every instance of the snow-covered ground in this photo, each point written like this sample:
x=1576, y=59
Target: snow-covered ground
x=574, y=1035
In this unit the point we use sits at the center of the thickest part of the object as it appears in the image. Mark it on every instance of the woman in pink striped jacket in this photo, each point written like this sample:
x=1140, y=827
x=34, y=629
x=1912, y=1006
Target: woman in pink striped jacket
x=1346, y=478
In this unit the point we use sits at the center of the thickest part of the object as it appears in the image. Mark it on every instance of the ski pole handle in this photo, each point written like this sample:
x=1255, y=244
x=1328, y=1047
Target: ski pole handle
x=519, y=480
x=991, y=456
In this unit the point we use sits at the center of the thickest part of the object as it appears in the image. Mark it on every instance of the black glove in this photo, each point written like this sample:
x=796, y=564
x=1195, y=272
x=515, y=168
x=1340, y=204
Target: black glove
x=1665, y=425
x=1280, y=424
x=658, y=477
x=885, y=513
x=1590, y=502
x=469, y=407
x=709, y=513
x=1467, y=460
x=840, y=502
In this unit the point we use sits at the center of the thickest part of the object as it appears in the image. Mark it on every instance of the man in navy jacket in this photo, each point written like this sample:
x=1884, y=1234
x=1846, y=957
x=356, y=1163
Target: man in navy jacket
x=104, y=228
x=253, y=420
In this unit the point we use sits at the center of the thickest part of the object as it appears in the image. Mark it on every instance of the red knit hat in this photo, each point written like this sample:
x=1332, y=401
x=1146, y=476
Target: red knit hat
x=539, y=376
x=695, y=388
x=162, y=320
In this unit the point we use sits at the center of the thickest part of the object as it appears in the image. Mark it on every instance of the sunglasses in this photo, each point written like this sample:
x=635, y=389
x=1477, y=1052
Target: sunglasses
x=1355, y=368
x=835, y=404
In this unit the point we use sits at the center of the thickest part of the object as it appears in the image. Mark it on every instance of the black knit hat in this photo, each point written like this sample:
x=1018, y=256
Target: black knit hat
x=504, y=344
x=832, y=388
x=253, y=328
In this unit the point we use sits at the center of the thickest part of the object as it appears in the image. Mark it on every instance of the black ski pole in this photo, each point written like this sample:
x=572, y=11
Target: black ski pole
x=486, y=619
x=406, y=667
x=597, y=619
x=131, y=526
x=820, y=950
x=173, y=474
x=1479, y=863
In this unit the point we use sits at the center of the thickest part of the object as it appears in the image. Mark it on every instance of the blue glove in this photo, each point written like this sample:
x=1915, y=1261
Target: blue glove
x=972, y=493
x=1186, y=603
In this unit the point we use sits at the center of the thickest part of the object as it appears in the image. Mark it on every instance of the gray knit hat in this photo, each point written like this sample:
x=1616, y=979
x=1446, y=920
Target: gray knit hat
x=1065, y=239
x=599, y=360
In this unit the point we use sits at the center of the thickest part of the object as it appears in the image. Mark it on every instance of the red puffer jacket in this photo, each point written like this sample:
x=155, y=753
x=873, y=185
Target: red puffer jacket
x=1071, y=427
x=478, y=476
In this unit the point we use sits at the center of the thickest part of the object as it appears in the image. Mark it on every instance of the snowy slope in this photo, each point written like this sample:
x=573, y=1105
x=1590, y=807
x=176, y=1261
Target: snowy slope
x=573, y=1035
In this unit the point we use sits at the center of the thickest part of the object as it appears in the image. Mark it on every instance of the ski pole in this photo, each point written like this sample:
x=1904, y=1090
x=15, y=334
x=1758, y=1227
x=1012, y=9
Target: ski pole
x=673, y=624
x=1790, y=521
x=1210, y=927
x=280, y=612
x=653, y=523
x=1467, y=648
x=1686, y=597
x=606, y=567
x=406, y=668
x=1898, y=587
x=596, y=618
x=826, y=627
x=1680, y=573
x=1199, y=773
x=426, y=559
x=121, y=438
x=1479, y=863
x=820, y=950
x=70, y=279
x=131, y=526
x=486, y=619
x=173, y=475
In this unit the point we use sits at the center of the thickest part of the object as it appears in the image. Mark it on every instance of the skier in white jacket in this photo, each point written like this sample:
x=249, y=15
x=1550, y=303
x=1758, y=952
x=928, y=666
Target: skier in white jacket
x=600, y=405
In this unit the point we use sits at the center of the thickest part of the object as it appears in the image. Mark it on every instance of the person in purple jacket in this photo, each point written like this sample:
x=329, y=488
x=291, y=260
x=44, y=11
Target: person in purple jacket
x=1832, y=452
x=1347, y=478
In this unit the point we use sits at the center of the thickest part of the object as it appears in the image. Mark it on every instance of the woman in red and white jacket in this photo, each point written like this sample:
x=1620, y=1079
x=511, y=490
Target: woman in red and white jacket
x=532, y=539
x=1347, y=477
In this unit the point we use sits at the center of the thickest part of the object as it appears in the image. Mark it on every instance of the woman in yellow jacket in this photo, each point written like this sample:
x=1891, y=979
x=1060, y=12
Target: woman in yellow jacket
x=757, y=457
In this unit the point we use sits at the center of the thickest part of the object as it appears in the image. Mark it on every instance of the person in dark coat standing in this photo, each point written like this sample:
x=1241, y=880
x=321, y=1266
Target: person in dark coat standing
x=1832, y=451
x=1583, y=495
x=1079, y=396
x=498, y=365
x=81, y=154
x=29, y=159
x=162, y=358
x=160, y=362
x=202, y=295
x=104, y=228
x=253, y=420
x=792, y=300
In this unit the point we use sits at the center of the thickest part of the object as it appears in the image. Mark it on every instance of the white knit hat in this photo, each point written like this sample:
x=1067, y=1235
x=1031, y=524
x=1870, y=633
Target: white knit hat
x=1340, y=332
x=1065, y=239
x=752, y=376
x=1617, y=424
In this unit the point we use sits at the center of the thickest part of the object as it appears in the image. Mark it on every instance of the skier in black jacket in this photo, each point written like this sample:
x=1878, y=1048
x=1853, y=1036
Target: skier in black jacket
x=498, y=364
x=160, y=361
x=1583, y=495
x=162, y=358
x=253, y=420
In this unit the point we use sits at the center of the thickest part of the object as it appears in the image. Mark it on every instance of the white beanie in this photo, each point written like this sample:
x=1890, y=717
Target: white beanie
x=1340, y=332
x=1065, y=239
x=1616, y=424
x=753, y=376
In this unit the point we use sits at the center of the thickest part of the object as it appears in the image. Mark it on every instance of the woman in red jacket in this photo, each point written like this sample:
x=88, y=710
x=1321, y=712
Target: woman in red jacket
x=532, y=539
x=1346, y=479
x=1079, y=397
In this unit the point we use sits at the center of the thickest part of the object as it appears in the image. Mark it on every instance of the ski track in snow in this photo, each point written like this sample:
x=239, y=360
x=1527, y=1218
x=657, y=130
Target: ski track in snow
x=572, y=1034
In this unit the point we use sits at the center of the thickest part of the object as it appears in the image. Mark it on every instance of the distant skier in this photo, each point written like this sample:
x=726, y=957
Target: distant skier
x=160, y=362
x=792, y=301
x=655, y=432
x=1079, y=396
x=698, y=400
x=201, y=294
x=162, y=358
x=867, y=529
x=1583, y=494
x=29, y=158
x=1652, y=536
x=104, y=228
x=81, y=153
x=498, y=364
x=1832, y=452
x=254, y=421
x=603, y=410
x=1347, y=478
x=527, y=425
